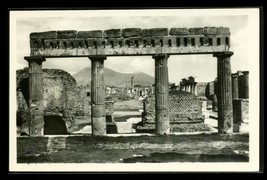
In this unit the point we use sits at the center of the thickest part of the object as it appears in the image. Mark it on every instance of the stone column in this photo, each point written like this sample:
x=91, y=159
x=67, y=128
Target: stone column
x=195, y=89
x=245, y=84
x=224, y=95
x=188, y=88
x=214, y=103
x=162, y=94
x=191, y=88
x=36, y=123
x=98, y=109
x=235, y=86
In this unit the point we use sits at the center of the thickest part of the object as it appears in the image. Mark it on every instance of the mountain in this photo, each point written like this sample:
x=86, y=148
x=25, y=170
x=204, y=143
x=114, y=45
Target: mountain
x=83, y=77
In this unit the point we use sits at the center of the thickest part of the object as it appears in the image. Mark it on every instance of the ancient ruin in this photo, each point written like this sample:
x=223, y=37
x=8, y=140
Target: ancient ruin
x=58, y=99
x=184, y=109
x=160, y=43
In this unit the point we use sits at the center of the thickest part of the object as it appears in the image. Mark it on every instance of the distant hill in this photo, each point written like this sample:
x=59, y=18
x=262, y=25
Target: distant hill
x=83, y=77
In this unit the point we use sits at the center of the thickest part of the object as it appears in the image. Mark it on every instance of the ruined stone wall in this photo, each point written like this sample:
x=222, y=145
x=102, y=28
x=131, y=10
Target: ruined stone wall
x=183, y=106
x=83, y=100
x=130, y=41
x=59, y=95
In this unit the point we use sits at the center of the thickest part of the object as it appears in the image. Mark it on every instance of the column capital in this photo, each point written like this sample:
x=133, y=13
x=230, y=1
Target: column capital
x=245, y=72
x=97, y=57
x=223, y=54
x=39, y=59
x=160, y=56
x=235, y=75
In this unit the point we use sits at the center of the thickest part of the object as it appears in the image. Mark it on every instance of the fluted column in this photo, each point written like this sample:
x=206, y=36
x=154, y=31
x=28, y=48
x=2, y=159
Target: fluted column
x=162, y=94
x=224, y=95
x=195, y=89
x=191, y=88
x=36, y=123
x=188, y=88
x=214, y=103
x=245, y=84
x=235, y=86
x=98, y=109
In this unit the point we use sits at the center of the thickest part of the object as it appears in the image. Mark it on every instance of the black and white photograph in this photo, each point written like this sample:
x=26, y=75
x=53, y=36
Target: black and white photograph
x=133, y=90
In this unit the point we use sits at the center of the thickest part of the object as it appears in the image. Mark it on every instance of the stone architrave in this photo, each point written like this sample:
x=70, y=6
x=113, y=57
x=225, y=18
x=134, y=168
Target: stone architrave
x=36, y=125
x=98, y=109
x=224, y=95
x=162, y=94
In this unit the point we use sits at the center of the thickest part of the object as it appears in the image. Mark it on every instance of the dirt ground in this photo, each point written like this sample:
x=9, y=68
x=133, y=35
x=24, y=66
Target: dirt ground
x=131, y=105
x=132, y=149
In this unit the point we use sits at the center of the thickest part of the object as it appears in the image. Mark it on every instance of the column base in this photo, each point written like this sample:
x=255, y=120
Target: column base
x=162, y=122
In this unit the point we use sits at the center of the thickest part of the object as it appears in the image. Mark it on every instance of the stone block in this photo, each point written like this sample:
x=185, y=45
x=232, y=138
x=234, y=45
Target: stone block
x=66, y=34
x=33, y=44
x=113, y=42
x=131, y=32
x=147, y=41
x=134, y=42
x=223, y=31
x=195, y=31
x=169, y=41
x=99, y=42
x=210, y=30
x=112, y=33
x=205, y=41
x=44, y=35
x=178, y=31
x=90, y=34
x=155, y=32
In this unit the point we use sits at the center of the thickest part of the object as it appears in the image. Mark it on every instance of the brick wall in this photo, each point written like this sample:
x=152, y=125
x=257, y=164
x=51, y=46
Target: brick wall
x=183, y=106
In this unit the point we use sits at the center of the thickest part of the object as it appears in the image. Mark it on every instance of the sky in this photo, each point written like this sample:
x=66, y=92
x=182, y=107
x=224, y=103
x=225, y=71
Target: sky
x=203, y=67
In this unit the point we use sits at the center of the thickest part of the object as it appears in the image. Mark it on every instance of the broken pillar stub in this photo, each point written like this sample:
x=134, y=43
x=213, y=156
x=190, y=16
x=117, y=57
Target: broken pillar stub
x=90, y=34
x=155, y=32
x=44, y=35
x=223, y=31
x=179, y=31
x=195, y=31
x=210, y=30
x=112, y=33
x=66, y=34
x=131, y=32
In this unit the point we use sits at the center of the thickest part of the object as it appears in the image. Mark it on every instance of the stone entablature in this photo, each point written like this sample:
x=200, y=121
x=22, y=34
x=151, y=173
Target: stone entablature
x=130, y=41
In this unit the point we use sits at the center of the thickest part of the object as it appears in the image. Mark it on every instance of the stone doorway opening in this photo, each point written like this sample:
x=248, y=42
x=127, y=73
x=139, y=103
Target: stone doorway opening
x=54, y=125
